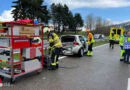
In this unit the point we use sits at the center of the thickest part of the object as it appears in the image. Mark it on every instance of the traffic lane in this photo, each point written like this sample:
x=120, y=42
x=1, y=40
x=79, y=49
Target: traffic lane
x=104, y=71
x=100, y=40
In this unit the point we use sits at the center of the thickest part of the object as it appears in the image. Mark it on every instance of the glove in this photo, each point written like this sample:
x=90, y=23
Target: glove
x=89, y=43
x=49, y=50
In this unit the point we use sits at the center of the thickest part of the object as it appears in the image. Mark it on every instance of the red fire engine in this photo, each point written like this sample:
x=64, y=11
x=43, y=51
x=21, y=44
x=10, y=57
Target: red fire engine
x=21, y=48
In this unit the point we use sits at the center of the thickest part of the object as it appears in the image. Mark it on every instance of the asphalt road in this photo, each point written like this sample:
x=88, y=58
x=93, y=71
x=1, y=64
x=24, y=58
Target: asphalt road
x=103, y=71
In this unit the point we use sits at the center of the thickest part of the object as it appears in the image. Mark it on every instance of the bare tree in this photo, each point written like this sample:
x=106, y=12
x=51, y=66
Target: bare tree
x=90, y=22
x=107, y=22
x=99, y=24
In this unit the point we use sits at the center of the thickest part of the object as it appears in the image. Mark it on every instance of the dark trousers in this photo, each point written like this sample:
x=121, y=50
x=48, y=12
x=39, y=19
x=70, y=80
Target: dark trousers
x=90, y=47
x=121, y=47
x=127, y=55
x=111, y=43
x=55, y=56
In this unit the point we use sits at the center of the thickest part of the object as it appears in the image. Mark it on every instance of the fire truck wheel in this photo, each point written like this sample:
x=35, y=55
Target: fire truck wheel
x=2, y=78
x=39, y=71
x=12, y=80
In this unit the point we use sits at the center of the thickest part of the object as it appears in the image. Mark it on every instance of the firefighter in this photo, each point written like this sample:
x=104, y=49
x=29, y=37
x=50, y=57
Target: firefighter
x=127, y=47
x=90, y=42
x=122, y=47
x=55, y=45
x=111, y=39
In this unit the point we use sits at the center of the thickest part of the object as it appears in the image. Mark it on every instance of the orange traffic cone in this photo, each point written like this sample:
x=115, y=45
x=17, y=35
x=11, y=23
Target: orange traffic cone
x=1, y=85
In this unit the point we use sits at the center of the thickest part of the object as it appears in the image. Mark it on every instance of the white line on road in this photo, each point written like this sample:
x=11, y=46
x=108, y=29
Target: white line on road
x=128, y=84
x=62, y=57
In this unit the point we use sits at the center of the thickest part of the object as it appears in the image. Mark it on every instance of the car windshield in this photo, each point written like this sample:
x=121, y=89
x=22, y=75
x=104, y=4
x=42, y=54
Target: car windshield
x=67, y=39
x=96, y=35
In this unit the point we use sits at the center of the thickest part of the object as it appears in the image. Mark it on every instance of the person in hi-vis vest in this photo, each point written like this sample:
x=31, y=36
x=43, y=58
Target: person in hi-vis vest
x=55, y=45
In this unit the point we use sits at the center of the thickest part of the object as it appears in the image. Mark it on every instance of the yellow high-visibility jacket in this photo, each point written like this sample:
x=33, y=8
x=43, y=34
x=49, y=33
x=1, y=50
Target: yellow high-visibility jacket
x=54, y=41
x=111, y=37
x=90, y=38
x=121, y=40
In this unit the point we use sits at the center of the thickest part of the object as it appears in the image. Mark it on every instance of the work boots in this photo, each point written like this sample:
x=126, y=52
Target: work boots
x=52, y=67
x=90, y=53
x=121, y=58
x=57, y=66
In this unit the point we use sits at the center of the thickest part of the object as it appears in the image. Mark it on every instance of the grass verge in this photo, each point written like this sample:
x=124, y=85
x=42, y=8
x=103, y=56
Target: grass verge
x=98, y=43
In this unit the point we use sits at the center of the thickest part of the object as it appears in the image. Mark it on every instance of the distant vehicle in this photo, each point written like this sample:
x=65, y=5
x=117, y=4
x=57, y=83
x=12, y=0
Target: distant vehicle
x=99, y=36
x=117, y=32
x=74, y=44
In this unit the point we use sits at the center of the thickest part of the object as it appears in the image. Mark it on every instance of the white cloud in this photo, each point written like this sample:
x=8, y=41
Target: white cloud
x=6, y=15
x=118, y=21
x=92, y=3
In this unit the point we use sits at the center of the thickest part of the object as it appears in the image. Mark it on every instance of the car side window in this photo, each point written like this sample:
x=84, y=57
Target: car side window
x=100, y=36
x=85, y=39
x=81, y=38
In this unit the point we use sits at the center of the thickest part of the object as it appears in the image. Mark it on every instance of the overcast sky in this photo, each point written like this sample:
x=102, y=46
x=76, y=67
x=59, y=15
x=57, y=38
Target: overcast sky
x=115, y=10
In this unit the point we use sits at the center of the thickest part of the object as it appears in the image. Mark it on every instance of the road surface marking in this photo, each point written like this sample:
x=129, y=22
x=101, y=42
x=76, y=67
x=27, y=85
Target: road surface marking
x=62, y=57
x=128, y=84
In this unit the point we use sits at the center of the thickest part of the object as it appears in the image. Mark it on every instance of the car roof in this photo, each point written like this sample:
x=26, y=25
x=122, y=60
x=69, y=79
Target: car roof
x=72, y=35
x=97, y=34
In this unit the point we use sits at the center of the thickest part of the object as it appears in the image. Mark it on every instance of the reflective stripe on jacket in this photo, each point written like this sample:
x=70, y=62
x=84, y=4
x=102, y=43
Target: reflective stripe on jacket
x=111, y=37
x=90, y=38
x=54, y=39
x=121, y=40
x=128, y=39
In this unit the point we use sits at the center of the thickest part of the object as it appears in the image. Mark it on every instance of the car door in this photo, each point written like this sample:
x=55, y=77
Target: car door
x=86, y=42
x=83, y=42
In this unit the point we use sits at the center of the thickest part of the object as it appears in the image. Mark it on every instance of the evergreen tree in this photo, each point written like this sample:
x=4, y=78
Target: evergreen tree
x=30, y=9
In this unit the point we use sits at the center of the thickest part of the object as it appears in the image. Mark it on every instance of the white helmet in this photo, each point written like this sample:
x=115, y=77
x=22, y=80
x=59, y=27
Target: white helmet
x=45, y=30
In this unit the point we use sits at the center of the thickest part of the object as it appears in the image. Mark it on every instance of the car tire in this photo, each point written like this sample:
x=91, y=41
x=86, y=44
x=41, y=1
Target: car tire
x=81, y=53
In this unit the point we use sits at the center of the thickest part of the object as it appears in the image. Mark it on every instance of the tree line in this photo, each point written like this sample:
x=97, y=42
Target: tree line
x=63, y=18
x=59, y=15
x=97, y=24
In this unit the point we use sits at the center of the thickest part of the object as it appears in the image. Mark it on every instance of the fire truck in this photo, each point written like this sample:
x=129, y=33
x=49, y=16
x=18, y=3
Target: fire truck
x=21, y=48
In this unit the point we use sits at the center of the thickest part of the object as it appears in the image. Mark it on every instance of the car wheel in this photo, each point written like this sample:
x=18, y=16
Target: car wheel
x=81, y=53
